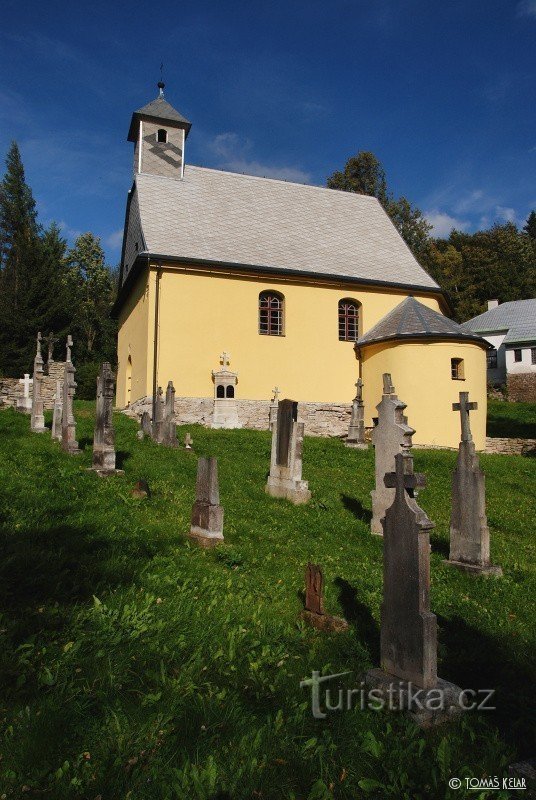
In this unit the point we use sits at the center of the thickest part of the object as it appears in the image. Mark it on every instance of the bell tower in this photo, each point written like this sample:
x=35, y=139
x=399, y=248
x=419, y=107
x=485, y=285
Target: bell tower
x=159, y=134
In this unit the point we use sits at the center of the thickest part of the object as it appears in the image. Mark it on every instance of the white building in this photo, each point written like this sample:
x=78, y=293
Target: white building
x=511, y=330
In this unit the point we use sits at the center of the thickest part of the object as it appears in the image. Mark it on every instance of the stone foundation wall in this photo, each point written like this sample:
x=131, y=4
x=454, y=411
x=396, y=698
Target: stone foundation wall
x=522, y=387
x=320, y=419
x=511, y=447
x=11, y=389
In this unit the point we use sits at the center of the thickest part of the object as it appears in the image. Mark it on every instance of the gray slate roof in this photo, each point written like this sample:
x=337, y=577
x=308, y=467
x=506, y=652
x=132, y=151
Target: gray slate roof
x=158, y=109
x=517, y=317
x=240, y=219
x=413, y=320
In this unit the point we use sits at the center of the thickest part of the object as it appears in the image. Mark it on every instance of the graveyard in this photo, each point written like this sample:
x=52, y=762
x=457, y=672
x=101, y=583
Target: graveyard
x=139, y=664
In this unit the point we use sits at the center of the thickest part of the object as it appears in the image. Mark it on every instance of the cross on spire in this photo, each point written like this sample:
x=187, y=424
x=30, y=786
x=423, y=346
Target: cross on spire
x=402, y=480
x=388, y=387
x=464, y=407
x=225, y=357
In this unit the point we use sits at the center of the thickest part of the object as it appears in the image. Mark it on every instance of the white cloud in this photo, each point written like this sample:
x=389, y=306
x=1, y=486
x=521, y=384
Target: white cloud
x=70, y=233
x=526, y=8
x=505, y=214
x=234, y=154
x=442, y=223
x=114, y=240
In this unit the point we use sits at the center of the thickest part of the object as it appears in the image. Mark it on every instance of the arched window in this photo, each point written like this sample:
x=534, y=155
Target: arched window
x=220, y=391
x=161, y=136
x=271, y=313
x=348, y=320
x=229, y=392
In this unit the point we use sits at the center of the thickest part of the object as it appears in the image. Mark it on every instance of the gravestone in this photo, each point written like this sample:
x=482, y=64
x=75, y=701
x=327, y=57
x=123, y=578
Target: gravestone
x=408, y=635
x=24, y=403
x=207, y=514
x=141, y=490
x=145, y=425
x=274, y=403
x=51, y=341
x=104, y=436
x=158, y=417
x=169, y=426
x=57, y=412
x=285, y=478
x=356, y=431
x=68, y=424
x=225, y=413
x=37, y=420
x=469, y=532
x=391, y=435
x=313, y=614
x=188, y=442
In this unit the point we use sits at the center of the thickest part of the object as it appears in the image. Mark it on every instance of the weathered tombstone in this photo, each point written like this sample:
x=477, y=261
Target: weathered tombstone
x=169, y=426
x=158, y=417
x=469, y=532
x=145, y=423
x=68, y=424
x=104, y=436
x=225, y=414
x=356, y=431
x=273, y=408
x=188, y=442
x=408, y=636
x=391, y=435
x=313, y=613
x=57, y=412
x=285, y=478
x=141, y=490
x=37, y=420
x=51, y=341
x=24, y=403
x=207, y=514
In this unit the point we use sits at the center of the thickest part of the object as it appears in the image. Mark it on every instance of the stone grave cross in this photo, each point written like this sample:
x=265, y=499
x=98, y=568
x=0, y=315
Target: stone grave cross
x=356, y=430
x=276, y=393
x=225, y=358
x=24, y=403
x=464, y=407
x=37, y=420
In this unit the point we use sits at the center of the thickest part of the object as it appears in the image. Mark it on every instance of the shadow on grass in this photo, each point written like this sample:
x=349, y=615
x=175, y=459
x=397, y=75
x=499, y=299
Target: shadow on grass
x=502, y=426
x=121, y=456
x=356, y=508
x=473, y=660
x=359, y=616
x=440, y=546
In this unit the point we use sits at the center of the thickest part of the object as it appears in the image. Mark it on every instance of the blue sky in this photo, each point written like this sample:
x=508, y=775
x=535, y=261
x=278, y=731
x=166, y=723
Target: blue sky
x=443, y=94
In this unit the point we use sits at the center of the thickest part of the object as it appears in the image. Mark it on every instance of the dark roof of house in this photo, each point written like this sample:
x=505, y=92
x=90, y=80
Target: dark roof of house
x=158, y=110
x=411, y=319
x=517, y=317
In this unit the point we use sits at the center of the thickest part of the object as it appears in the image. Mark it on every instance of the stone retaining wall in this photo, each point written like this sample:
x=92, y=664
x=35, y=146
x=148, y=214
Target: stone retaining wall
x=11, y=389
x=522, y=387
x=511, y=447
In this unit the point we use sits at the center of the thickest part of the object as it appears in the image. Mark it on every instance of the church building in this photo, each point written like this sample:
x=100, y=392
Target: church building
x=301, y=287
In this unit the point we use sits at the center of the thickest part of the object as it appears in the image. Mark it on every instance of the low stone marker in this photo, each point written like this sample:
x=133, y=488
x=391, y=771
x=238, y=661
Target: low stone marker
x=313, y=613
x=169, y=426
x=207, y=514
x=24, y=403
x=141, y=490
x=145, y=426
x=391, y=435
x=104, y=436
x=285, y=478
x=37, y=419
x=68, y=424
x=408, y=637
x=57, y=412
x=469, y=532
x=356, y=431
x=157, y=431
x=188, y=442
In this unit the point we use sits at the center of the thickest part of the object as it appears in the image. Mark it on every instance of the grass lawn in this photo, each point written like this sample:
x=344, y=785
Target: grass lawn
x=135, y=665
x=511, y=420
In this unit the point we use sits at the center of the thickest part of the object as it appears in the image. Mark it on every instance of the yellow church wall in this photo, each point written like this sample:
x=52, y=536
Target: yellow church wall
x=134, y=377
x=203, y=313
x=421, y=374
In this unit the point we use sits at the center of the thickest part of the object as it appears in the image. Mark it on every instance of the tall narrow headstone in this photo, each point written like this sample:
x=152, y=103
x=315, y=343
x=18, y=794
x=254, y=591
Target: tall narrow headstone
x=37, y=420
x=158, y=417
x=408, y=635
x=207, y=514
x=469, y=532
x=68, y=424
x=57, y=412
x=285, y=478
x=274, y=403
x=356, y=431
x=24, y=403
x=391, y=435
x=104, y=436
x=169, y=427
x=225, y=414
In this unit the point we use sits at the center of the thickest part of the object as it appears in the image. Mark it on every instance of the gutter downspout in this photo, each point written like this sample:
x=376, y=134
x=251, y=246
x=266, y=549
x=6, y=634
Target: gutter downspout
x=156, y=327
